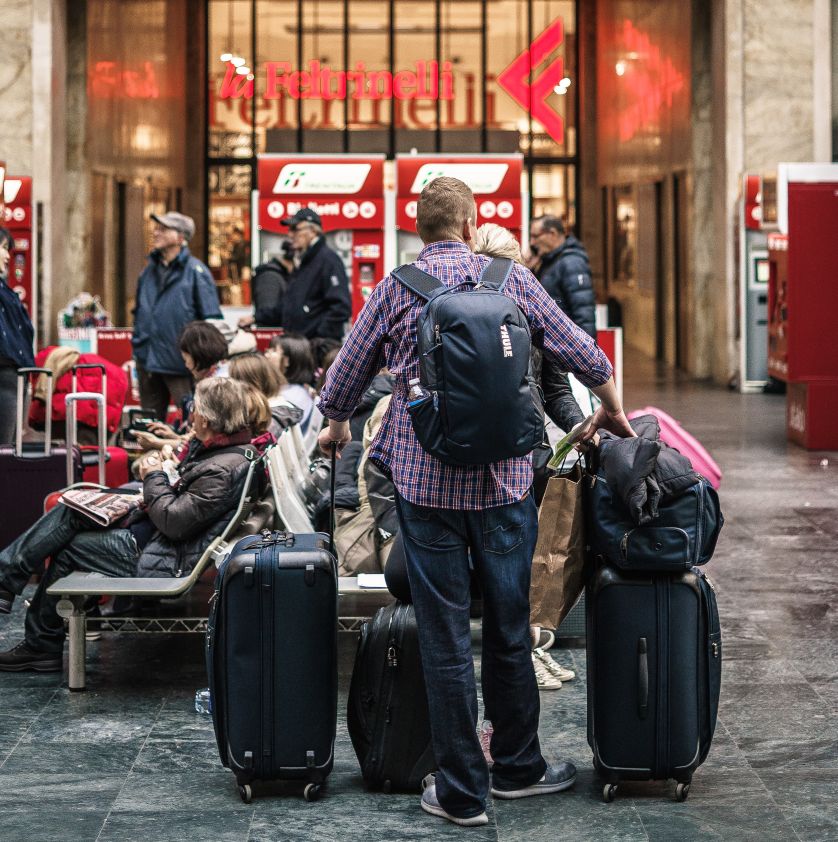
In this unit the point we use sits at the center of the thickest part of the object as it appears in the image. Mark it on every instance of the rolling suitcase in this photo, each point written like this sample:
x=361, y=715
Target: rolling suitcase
x=272, y=659
x=654, y=656
x=29, y=472
x=673, y=434
x=387, y=715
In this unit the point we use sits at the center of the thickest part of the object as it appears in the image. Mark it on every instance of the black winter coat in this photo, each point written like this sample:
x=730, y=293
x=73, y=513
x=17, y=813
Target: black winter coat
x=270, y=281
x=317, y=302
x=644, y=471
x=566, y=274
x=189, y=516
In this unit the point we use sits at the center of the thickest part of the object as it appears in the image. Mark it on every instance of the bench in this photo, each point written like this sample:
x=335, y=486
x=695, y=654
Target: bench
x=357, y=604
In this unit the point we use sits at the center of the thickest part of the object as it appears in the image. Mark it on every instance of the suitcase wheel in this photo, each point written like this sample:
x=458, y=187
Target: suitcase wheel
x=246, y=793
x=682, y=791
x=609, y=791
x=311, y=792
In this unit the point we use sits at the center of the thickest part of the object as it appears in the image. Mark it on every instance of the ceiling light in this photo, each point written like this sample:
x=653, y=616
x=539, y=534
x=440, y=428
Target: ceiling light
x=237, y=61
x=620, y=68
x=243, y=70
x=226, y=56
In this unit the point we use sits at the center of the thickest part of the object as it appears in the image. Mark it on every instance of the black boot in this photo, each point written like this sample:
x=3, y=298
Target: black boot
x=22, y=658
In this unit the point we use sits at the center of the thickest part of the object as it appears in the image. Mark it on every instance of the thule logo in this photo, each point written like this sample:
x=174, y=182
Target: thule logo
x=505, y=341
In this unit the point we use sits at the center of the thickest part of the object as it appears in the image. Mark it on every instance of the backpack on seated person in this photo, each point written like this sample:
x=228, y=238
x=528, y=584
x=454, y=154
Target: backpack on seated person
x=477, y=401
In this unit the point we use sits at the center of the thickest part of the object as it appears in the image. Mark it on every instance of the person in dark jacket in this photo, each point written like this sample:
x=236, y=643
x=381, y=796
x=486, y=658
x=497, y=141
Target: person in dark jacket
x=316, y=303
x=564, y=270
x=268, y=286
x=166, y=537
x=174, y=288
x=16, y=339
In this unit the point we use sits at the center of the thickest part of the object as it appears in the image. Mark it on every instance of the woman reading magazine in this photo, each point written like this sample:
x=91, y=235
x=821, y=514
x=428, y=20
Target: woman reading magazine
x=164, y=538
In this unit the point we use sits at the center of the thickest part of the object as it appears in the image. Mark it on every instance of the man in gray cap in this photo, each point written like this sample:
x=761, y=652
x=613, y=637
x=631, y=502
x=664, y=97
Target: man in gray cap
x=174, y=288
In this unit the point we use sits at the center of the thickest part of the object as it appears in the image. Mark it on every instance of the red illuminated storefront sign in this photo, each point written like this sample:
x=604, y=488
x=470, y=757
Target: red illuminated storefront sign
x=111, y=80
x=425, y=81
x=346, y=192
x=495, y=182
x=420, y=87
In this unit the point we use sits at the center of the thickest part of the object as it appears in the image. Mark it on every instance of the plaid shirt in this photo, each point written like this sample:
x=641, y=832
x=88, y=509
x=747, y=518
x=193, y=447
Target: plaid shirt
x=385, y=335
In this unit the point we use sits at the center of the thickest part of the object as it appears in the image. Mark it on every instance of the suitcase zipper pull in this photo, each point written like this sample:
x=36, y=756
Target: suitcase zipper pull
x=392, y=659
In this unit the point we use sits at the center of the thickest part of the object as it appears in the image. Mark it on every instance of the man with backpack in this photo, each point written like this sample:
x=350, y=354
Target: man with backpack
x=464, y=416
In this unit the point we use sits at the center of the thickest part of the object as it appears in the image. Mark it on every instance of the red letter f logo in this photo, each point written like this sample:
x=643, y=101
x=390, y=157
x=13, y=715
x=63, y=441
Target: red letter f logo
x=532, y=95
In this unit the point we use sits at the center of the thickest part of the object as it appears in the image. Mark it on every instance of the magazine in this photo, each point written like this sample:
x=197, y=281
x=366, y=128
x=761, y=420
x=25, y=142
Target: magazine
x=565, y=445
x=103, y=506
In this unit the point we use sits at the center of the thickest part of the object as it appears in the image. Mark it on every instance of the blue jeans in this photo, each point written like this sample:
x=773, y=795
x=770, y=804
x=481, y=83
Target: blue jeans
x=500, y=542
x=73, y=543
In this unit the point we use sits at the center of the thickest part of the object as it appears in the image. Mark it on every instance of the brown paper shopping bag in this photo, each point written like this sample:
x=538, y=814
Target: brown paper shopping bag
x=559, y=560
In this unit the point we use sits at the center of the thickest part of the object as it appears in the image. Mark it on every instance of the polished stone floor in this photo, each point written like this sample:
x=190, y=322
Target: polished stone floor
x=131, y=760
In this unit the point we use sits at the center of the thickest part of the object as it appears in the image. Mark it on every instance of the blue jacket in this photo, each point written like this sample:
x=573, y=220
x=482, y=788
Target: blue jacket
x=566, y=274
x=16, y=332
x=168, y=297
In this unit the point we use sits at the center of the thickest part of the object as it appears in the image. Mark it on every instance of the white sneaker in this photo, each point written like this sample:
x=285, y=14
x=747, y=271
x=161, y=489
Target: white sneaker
x=555, y=669
x=543, y=676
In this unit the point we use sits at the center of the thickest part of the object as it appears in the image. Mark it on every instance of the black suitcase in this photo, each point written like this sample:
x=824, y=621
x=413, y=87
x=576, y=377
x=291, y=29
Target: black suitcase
x=387, y=714
x=28, y=473
x=654, y=656
x=272, y=659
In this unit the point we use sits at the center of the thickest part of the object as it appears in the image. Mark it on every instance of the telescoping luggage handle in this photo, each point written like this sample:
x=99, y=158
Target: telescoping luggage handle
x=70, y=402
x=22, y=374
x=334, y=454
x=79, y=366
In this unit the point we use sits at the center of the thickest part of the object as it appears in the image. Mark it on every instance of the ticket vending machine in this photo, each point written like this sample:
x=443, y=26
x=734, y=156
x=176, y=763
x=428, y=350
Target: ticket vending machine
x=756, y=221
x=19, y=218
x=348, y=194
x=803, y=300
x=495, y=181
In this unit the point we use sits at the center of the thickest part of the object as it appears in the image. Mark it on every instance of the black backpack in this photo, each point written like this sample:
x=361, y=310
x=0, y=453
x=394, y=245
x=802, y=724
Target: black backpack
x=480, y=402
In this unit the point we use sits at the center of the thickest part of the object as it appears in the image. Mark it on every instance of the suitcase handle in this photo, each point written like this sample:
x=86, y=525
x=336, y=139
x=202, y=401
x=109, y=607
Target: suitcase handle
x=333, y=446
x=72, y=429
x=76, y=368
x=21, y=381
x=642, y=678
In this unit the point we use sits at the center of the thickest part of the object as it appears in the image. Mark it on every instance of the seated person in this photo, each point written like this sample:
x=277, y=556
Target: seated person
x=166, y=537
x=203, y=348
x=291, y=354
x=259, y=374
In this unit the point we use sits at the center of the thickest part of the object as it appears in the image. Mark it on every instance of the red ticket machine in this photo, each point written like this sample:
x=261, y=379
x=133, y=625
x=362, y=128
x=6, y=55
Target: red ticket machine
x=802, y=301
x=19, y=218
x=348, y=194
x=495, y=181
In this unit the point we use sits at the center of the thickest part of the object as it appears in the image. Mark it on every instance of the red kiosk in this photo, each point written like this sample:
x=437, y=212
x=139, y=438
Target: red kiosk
x=495, y=181
x=348, y=194
x=802, y=299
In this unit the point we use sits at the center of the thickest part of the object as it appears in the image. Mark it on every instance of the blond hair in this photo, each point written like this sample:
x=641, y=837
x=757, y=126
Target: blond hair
x=257, y=409
x=497, y=241
x=258, y=372
x=444, y=206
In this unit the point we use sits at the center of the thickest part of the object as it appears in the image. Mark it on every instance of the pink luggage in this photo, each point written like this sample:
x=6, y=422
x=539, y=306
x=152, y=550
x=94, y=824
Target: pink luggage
x=673, y=434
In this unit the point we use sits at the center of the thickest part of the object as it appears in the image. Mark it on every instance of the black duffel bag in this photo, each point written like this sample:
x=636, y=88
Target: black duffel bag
x=683, y=534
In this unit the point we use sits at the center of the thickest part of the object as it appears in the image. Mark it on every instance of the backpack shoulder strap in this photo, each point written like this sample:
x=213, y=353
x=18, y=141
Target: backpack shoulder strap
x=423, y=284
x=496, y=273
